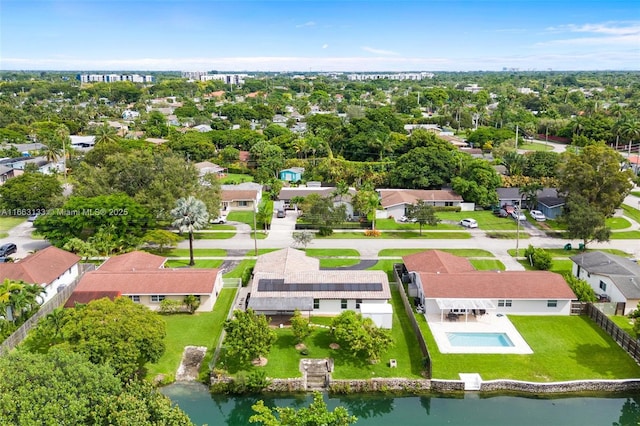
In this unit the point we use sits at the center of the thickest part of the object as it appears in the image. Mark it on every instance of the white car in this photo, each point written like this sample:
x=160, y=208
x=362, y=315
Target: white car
x=538, y=215
x=519, y=216
x=406, y=219
x=219, y=220
x=469, y=223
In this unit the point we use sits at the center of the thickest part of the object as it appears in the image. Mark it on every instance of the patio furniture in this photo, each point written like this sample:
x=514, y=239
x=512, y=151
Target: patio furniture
x=452, y=316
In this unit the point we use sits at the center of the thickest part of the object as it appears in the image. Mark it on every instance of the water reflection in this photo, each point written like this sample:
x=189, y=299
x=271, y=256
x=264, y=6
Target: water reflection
x=373, y=410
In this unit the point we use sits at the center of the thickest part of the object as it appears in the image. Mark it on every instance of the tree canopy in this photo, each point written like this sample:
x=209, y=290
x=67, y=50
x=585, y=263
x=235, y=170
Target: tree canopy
x=360, y=336
x=317, y=414
x=248, y=336
x=31, y=192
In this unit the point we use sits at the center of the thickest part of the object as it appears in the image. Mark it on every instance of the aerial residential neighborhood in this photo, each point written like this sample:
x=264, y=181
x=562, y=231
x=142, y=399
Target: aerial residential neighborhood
x=317, y=213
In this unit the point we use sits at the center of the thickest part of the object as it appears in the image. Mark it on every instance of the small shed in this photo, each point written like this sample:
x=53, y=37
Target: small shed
x=380, y=313
x=294, y=174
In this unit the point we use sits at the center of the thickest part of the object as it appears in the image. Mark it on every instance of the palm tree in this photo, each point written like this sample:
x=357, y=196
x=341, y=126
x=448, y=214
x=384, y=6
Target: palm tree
x=630, y=128
x=190, y=214
x=7, y=290
x=106, y=134
x=52, y=152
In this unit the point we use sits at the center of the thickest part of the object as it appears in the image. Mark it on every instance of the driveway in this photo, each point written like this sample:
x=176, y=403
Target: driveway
x=21, y=236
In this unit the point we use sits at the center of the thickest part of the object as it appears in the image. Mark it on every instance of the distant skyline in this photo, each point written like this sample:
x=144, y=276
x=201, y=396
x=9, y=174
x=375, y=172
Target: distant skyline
x=317, y=36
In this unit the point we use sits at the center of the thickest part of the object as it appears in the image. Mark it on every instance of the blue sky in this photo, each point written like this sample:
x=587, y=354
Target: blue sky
x=301, y=35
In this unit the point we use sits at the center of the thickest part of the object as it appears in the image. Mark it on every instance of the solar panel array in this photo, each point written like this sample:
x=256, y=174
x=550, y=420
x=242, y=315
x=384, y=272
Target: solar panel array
x=278, y=284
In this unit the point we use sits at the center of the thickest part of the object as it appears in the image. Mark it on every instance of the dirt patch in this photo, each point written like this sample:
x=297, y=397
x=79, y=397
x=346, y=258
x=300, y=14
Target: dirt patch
x=260, y=362
x=190, y=365
x=334, y=346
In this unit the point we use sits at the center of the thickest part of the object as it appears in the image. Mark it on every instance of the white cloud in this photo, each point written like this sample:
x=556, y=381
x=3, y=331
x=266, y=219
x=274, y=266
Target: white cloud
x=609, y=33
x=378, y=51
x=306, y=24
x=324, y=46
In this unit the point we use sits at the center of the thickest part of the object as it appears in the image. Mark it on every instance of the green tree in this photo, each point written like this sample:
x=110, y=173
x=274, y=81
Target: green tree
x=121, y=333
x=424, y=168
x=367, y=201
x=190, y=214
x=77, y=392
x=124, y=220
x=192, y=303
x=594, y=174
x=105, y=134
x=302, y=238
x=477, y=181
x=300, y=326
x=161, y=238
x=31, y=191
x=248, y=336
x=321, y=212
x=360, y=336
x=423, y=213
x=584, y=221
x=82, y=248
x=581, y=288
x=538, y=258
x=317, y=414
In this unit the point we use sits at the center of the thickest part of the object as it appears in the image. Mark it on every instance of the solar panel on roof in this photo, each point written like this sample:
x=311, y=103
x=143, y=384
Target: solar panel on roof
x=278, y=284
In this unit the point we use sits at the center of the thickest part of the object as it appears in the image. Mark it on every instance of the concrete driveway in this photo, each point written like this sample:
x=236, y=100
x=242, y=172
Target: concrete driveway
x=21, y=236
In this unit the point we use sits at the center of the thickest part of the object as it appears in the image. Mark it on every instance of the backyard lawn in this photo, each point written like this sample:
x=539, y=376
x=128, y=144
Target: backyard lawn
x=565, y=348
x=284, y=358
x=624, y=323
x=200, y=329
x=486, y=220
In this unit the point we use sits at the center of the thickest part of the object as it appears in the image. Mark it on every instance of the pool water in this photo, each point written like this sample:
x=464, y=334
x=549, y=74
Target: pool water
x=480, y=339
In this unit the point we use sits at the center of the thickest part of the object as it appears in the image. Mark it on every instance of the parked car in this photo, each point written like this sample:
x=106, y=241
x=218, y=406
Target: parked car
x=469, y=223
x=33, y=217
x=281, y=213
x=406, y=219
x=8, y=249
x=219, y=220
x=538, y=215
x=503, y=213
x=518, y=215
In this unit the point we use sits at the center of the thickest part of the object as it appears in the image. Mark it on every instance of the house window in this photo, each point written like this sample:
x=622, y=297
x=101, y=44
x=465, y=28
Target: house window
x=358, y=303
x=316, y=303
x=343, y=304
x=552, y=303
x=157, y=298
x=243, y=203
x=504, y=303
x=135, y=298
x=603, y=286
x=448, y=203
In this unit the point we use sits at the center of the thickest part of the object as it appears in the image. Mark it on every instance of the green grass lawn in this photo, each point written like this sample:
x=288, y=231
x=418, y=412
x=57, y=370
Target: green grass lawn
x=401, y=235
x=487, y=264
x=332, y=252
x=635, y=193
x=392, y=225
x=221, y=227
x=213, y=235
x=625, y=235
x=558, y=266
x=200, y=329
x=242, y=216
x=200, y=263
x=625, y=323
x=210, y=252
x=508, y=235
x=386, y=265
x=560, y=252
x=8, y=222
x=235, y=178
x=565, y=348
x=284, y=359
x=534, y=146
x=486, y=220
x=631, y=212
x=616, y=223
x=457, y=252
x=238, y=270
x=337, y=263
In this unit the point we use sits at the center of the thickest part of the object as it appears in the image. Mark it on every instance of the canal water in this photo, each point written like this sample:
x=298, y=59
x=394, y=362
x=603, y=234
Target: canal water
x=375, y=409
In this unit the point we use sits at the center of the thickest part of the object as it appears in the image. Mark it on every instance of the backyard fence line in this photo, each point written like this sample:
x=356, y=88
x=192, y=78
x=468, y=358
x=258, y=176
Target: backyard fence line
x=231, y=282
x=412, y=319
x=59, y=299
x=578, y=308
x=621, y=337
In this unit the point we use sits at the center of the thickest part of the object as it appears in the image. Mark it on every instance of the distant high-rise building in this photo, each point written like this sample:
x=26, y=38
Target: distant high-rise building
x=110, y=78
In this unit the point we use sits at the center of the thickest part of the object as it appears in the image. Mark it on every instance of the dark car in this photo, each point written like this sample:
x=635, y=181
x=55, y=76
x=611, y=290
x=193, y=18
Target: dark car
x=281, y=214
x=7, y=249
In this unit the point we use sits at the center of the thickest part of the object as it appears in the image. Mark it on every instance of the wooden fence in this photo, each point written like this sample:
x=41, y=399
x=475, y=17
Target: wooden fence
x=621, y=337
x=59, y=299
x=397, y=272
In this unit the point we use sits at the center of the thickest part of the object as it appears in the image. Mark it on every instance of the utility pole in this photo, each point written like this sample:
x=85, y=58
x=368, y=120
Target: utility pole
x=517, y=128
x=255, y=230
x=518, y=224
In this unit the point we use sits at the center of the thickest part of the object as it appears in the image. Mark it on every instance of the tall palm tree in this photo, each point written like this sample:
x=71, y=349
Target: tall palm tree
x=630, y=129
x=190, y=214
x=106, y=134
x=8, y=288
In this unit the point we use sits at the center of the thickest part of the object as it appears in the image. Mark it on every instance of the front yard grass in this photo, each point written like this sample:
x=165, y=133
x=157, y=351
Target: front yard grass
x=617, y=223
x=565, y=348
x=284, y=358
x=331, y=252
x=210, y=252
x=487, y=221
x=337, y=263
x=560, y=252
x=392, y=225
x=199, y=329
x=625, y=235
x=451, y=235
x=223, y=235
x=487, y=264
x=200, y=263
x=8, y=222
x=508, y=235
x=457, y=252
x=631, y=212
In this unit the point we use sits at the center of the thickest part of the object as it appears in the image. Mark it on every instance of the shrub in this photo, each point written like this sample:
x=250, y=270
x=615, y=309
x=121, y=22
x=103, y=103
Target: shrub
x=581, y=288
x=170, y=306
x=538, y=258
x=325, y=231
x=246, y=276
x=372, y=233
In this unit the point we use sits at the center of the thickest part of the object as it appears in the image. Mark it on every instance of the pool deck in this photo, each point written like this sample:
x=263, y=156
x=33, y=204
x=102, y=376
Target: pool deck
x=488, y=323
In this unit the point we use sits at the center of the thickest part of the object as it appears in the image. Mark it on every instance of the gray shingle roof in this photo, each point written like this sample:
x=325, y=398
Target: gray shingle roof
x=625, y=273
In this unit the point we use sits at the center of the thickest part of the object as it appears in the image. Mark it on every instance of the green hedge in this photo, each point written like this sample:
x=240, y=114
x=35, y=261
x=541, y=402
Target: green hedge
x=345, y=225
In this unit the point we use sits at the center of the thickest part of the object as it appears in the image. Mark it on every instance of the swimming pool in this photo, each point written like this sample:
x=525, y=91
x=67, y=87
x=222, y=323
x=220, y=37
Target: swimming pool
x=480, y=339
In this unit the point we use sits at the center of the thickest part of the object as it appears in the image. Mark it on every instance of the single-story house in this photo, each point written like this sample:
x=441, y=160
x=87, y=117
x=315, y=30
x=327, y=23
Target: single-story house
x=286, y=280
x=51, y=267
x=445, y=283
x=6, y=173
x=614, y=277
x=396, y=201
x=552, y=207
x=82, y=142
x=287, y=194
x=244, y=196
x=294, y=174
x=143, y=278
x=206, y=167
x=512, y=196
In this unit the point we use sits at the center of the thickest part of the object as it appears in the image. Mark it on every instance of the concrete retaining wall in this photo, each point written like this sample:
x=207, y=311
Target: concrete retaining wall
x=379, y=385
x=561, y=387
